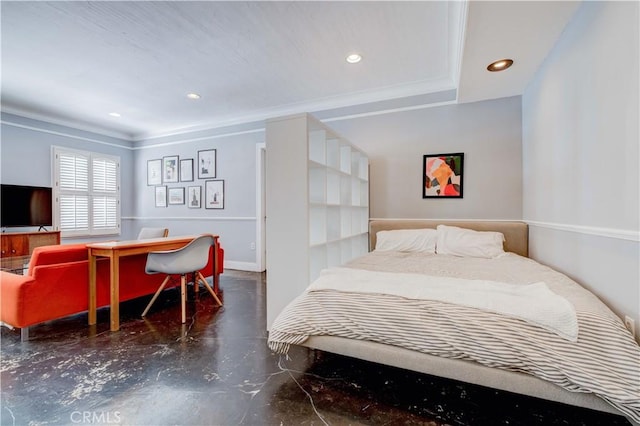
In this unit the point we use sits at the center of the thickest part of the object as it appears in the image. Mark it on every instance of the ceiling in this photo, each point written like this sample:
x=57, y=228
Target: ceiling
x=75, y=62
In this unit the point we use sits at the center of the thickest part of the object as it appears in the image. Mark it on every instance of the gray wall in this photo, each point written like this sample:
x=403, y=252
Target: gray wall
x=236, y=165
x=580, y=149
x=490, y=135
x=25, y=148
x=487, y=132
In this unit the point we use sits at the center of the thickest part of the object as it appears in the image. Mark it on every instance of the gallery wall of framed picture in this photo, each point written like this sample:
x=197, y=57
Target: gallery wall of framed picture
x=166, y=173
x=194, y=195
x=186, y=170
x=214, y=194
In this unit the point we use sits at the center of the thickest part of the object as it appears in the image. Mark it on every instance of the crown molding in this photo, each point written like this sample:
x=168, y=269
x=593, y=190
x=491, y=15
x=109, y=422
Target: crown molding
x=66, y=135
x=74, y=124
x=421, y=87
x=325, y=104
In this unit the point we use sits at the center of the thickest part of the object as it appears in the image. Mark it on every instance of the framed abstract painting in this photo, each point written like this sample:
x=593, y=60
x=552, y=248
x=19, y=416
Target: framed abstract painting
x=442, y=175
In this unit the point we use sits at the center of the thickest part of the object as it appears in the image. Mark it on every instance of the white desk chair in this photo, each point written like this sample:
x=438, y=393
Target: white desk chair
x=147, y=233
x=185, y=260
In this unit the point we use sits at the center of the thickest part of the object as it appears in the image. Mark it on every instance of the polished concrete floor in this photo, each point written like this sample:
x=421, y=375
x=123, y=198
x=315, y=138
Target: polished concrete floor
x=217, y=370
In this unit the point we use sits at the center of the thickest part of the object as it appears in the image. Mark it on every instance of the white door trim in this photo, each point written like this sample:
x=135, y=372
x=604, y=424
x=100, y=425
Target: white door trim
x=261, y=150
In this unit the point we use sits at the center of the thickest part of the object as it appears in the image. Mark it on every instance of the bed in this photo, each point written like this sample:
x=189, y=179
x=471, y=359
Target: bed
x=577, y=352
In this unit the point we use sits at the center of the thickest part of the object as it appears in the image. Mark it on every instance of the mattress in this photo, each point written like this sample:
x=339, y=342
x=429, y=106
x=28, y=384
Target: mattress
x=603, y=360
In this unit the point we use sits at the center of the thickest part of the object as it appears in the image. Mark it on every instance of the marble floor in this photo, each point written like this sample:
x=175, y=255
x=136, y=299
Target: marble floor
x=217, y=370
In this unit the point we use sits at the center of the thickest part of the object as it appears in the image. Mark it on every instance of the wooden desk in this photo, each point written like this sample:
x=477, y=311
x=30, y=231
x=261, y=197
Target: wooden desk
x=115, y=250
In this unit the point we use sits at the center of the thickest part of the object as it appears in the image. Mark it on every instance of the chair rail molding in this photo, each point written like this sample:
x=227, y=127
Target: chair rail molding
x=191, y=218
x=620, y=234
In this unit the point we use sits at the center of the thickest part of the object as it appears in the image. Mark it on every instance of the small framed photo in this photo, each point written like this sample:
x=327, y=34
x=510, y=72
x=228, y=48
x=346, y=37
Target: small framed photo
x=442, y=175
x=170, y=169
x=176, y=195
x=186, y=170
x=161, y=196
x=154, y=172
x=207, y=164
x=214, y=194
x=194, y=194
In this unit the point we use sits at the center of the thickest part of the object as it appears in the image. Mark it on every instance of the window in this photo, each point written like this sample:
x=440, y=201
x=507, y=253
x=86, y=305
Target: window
x=86, y=193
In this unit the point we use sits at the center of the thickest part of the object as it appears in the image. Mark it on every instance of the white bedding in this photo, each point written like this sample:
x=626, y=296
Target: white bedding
x=533, y=303
x=604, y=360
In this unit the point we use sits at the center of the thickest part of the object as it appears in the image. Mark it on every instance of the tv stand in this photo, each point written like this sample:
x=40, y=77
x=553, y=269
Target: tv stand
x=15, y=246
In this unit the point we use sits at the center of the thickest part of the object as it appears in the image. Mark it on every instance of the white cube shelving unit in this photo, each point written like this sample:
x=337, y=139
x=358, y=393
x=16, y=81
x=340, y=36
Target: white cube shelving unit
x=317, y=205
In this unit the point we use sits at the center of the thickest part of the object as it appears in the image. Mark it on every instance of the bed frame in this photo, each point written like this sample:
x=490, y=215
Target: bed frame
x=516, y=241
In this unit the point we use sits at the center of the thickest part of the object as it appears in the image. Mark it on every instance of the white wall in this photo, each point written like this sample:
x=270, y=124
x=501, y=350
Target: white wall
x=490, y=135
x=581, y=185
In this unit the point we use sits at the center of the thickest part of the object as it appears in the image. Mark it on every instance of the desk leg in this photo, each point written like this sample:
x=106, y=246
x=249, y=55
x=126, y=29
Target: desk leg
x=114, y=282
x=92, y=289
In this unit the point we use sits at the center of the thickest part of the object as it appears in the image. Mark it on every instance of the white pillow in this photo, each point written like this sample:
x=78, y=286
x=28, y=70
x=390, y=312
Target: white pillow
x=467, y=242
x=415, y=240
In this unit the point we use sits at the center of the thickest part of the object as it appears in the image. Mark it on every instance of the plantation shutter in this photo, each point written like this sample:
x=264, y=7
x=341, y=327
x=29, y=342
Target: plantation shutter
x=105, y=196
x=86, y=193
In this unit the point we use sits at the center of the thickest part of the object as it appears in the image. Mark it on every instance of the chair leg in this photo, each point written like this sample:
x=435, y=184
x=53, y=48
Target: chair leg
x=183, y=297
x=155, y=296
x=206, y=284
x=24, y=334
x=196, y=287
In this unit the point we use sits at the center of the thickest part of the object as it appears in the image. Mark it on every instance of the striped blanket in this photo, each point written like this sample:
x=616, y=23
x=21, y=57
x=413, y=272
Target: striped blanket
x=605, y=360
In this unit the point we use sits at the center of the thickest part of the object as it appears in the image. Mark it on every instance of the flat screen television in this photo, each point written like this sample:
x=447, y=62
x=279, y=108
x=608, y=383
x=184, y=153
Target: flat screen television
x=25, y=206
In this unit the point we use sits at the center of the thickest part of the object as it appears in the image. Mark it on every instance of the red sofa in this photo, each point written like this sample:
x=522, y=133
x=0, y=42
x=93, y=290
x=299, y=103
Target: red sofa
x=57, y=284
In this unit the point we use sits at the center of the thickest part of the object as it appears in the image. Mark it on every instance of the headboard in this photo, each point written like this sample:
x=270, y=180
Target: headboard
x=516, y=234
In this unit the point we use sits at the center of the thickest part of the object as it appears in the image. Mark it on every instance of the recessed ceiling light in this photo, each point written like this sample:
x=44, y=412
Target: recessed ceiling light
x=193, y=96
x=354, y=58
x=500, y=65
x=114, y=114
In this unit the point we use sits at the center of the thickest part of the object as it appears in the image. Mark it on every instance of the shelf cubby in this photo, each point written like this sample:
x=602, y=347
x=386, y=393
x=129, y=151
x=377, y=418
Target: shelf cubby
x=333, y=223
x=333, y=153
x=317, y=185
x=317, y=225
x=333, y=187
x=345, y=190
x=346, y=228
x=363, y=169
x=355, y=191
x=317, y=261
x=345, y=159
x=317, y=146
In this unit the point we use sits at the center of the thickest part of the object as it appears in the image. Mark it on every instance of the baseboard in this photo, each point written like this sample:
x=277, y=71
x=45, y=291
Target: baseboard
x=241, y=266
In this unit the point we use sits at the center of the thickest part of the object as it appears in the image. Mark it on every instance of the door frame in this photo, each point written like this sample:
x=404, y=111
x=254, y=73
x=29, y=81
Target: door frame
x=261, y=153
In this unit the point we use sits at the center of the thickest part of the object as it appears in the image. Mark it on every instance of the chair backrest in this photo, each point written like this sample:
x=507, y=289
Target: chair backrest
x=146, y=233
x=190, y=258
